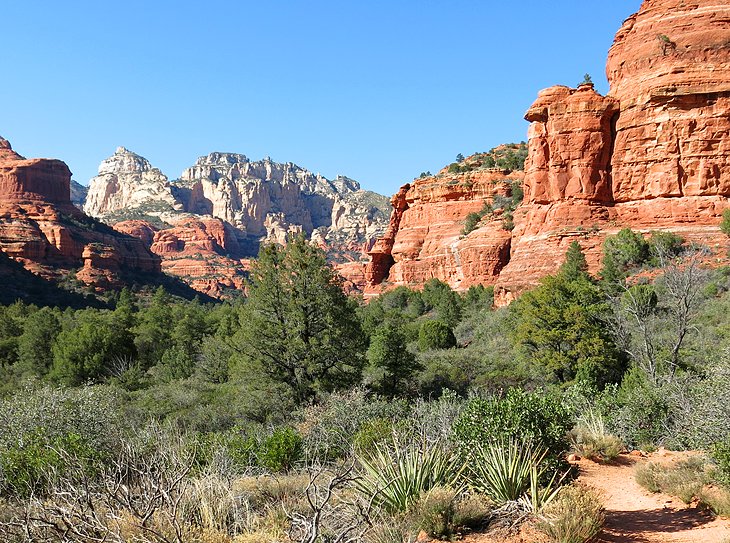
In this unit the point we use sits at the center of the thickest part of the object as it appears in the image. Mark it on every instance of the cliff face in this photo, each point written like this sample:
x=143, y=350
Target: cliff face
x=653, y=154
x=127, y=184
x=41, y=228
x=426, y=235
x=253, y=202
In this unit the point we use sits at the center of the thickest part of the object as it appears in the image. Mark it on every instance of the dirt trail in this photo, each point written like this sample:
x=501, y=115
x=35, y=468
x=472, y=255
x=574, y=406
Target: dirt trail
x=633, y=515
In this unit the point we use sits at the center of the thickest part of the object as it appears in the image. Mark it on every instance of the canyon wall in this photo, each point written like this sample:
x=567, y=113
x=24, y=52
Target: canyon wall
x=42, y=229
x=652, y=154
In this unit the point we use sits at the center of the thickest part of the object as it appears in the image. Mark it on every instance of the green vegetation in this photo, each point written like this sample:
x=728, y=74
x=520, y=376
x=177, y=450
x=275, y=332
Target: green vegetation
x=510, y=156
x=725, y=224
x=425, y=409
x=500, y=206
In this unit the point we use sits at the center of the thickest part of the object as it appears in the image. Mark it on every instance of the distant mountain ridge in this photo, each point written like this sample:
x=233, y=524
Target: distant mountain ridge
x=225, y=205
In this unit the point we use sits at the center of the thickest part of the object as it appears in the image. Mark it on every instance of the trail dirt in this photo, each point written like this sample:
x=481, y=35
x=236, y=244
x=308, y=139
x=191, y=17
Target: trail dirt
x=633, y=514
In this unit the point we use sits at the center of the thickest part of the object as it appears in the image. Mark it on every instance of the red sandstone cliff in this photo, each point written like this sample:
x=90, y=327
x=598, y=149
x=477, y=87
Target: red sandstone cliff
x=426, y=238
x=653, y=154
x=41, y=228
x=203, y=253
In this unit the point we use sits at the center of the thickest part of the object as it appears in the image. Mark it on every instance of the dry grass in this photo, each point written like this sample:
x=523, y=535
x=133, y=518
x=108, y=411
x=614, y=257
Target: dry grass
x=575, y=516
x=590, y=439
x=693, y=479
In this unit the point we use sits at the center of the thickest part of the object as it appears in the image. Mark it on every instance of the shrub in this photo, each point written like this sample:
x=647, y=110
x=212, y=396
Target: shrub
x=281, y=450
x=435, y=335
x=372, y=433
x=663, y=245
x=443, y=513
x=575, y=516
x=30, y=466
x=396, y=476
x=685, y=480
x=591, y=440
x=721, y=455
x=330, y=427
x=538, y=417
x=471, y=222
x=725, y=224
x=621, y=253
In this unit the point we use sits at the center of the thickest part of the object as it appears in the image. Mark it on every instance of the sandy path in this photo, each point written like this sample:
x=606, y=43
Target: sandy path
x=635, y=515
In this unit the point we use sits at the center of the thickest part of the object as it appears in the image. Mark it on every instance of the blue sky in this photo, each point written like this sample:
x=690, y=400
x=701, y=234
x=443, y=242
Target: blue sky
x=376, y=90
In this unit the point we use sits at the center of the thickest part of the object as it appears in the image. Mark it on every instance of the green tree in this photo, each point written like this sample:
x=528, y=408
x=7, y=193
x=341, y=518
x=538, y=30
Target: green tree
x=575, y=264
x=152, y=334
x=435, y=335
x=391, y=364
x=561, y=326
x=86, y=350
x=298, y=325
x=439, y=296
x=34, y=345
x=621, y=253
x=459, y=158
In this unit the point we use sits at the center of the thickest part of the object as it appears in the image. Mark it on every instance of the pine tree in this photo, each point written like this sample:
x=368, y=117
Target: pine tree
x=298, y=325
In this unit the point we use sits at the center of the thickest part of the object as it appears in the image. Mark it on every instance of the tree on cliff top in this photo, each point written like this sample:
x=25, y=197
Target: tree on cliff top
x=298, y=325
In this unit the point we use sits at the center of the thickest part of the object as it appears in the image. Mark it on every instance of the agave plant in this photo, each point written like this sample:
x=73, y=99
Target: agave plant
x=395, y=476
x=510, y=471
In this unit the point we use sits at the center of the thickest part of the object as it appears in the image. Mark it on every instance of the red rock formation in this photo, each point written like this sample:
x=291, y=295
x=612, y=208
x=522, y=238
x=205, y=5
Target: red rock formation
x=653, y=154
x=425, y=237
x=204, y=253
x=40, y=227
x=659, y=144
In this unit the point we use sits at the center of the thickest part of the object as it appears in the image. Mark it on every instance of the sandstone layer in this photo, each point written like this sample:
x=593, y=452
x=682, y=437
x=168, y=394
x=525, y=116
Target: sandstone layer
x=654, y=154
x=42, y=229
x=426, y=235
x=202, y=252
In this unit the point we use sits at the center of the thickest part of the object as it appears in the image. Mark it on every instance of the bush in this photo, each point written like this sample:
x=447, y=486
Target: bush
x=590, y=439
x=721, y=455
x=725, y=224
x=330, y=427
x=281, y=450
x=371, y=434
x=684, y=480
x=575, y=516
x=32, y=464
x=443, y=513
x=435, y=335
x=471, y=222
x=538, y=417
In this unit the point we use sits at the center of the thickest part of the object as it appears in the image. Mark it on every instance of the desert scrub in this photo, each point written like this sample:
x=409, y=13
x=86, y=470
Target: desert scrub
x=685, y=479
x=590, y=439
x=575, y=516
x=537, y=417
x=445, y=514
x=281, y=450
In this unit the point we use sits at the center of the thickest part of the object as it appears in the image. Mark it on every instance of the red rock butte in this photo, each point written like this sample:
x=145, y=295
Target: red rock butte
x=41, y=228
x=652, y=154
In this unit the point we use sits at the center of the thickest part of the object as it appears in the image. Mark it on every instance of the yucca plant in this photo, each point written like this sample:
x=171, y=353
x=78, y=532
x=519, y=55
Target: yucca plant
x=395, y=476
x=539, y=496
x=507, y=470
